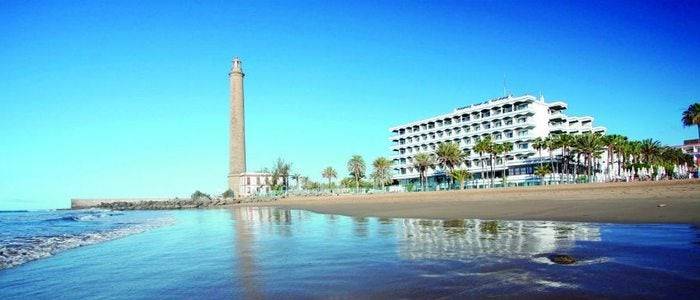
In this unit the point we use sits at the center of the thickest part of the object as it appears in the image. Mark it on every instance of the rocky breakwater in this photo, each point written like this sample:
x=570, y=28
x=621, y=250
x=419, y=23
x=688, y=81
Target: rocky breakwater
x=168, y=204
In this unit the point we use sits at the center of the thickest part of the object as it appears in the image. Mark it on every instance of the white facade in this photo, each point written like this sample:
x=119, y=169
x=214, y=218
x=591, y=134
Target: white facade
x=692, y=147
x=251, y=184
x=519, y=120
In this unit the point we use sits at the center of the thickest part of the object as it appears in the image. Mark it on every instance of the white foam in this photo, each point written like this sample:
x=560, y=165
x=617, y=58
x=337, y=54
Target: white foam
x=33, y=248
x=556, y=284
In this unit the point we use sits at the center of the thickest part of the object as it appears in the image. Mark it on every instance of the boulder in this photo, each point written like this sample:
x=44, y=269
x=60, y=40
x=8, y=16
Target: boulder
x=562, y=259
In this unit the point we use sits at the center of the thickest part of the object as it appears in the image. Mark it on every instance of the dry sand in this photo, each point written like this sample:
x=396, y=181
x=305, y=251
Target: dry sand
x=635, y=202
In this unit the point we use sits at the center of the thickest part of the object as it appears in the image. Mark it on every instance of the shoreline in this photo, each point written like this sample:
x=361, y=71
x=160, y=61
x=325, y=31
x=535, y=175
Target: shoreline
x=676, y=201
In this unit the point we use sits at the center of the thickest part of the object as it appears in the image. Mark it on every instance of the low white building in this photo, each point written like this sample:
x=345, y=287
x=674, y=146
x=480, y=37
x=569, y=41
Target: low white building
x=518, y=120
x=692, y=147
x=253, y=183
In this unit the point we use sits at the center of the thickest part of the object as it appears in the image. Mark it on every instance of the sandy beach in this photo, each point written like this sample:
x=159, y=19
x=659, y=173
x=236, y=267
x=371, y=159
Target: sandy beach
x=637, y=202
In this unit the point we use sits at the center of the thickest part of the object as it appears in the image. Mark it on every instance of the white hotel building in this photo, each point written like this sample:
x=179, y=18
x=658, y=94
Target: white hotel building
x=507, y=119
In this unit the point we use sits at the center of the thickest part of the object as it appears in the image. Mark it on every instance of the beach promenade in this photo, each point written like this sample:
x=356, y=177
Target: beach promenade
x=675, y=201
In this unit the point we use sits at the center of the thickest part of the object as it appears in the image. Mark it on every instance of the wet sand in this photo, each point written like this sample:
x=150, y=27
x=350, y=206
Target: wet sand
x=635, y=202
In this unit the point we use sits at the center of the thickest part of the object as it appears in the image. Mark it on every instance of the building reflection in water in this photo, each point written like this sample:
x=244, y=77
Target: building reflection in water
x=412, y=239
x=244, y=252
x=456, y=239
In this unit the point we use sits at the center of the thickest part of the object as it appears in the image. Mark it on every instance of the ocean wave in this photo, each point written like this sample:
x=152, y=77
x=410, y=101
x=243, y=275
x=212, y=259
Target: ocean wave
x=91, y=216
x=33, y=248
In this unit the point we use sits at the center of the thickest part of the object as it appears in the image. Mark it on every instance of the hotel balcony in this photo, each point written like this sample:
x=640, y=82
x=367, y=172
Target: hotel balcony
x=557, y=116
x=557, y=105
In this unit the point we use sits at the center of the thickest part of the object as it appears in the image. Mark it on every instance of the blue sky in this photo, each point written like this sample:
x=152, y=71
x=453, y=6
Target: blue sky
x=130, y=98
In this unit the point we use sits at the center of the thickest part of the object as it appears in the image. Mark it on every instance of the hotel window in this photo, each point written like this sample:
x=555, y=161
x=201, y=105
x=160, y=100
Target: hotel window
x=522, y=146
x=521, y=171
x=465, y=118
x=522, y=120
x=509, y=134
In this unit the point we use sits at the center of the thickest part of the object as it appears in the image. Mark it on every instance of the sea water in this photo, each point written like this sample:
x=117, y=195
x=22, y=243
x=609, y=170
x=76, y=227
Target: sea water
x=274, y=253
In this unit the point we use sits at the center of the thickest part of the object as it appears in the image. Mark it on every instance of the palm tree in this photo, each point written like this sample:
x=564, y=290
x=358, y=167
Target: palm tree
x=281, y=170
x=669, y=158
x=422, y=161
x=495, y=150
x=619, y=142
x=551, y=145
x=461, y=176
x=565, y=141
x=449, y=155
x=691, y=116
x=649, y=150
x=611, y=143
x=483, y=146
x=539, y=144
x=590, y=145
x=542, y=171
x=296, y=176
x=329, y=173
x=633, y=149
x=505, y=149
x=382, y=170
x=356, y=168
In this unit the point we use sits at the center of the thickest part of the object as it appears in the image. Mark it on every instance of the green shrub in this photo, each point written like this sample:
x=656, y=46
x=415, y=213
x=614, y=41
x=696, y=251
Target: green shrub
x=410, y=187
x=228, y=194
x=197, y=195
